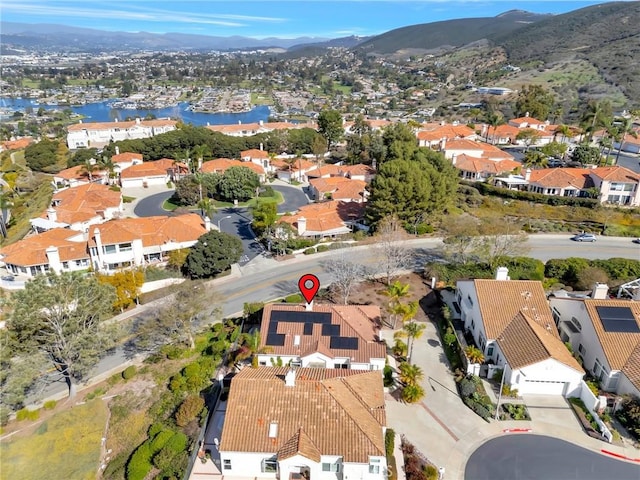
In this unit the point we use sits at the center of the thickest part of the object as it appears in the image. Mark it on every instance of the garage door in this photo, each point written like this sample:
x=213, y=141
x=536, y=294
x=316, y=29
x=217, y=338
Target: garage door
x=543, y=387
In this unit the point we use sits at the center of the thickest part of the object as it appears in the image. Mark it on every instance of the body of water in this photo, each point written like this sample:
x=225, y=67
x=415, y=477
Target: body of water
x=102, y=112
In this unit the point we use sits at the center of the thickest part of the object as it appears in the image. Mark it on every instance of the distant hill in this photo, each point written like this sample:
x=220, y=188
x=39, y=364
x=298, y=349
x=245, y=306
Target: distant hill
x=17, y=36
x=455, y=33
x=606, y=35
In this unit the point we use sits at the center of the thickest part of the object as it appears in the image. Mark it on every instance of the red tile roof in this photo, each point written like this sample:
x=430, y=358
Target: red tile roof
x=32, y=250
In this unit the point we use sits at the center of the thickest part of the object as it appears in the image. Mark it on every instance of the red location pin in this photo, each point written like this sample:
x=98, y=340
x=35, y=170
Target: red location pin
x=309, y=286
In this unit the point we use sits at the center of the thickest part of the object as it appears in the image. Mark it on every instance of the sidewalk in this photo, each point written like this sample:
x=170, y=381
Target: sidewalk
x=447, y=432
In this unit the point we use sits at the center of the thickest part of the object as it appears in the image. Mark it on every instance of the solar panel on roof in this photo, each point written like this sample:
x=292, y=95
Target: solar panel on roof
x=344, y=343
x=329, y=330
x=308, y=329
x=275, y=339
x=618, y=319
x=300, y=316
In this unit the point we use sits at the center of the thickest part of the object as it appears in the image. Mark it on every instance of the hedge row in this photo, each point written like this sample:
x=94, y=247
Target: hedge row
x=488, y=189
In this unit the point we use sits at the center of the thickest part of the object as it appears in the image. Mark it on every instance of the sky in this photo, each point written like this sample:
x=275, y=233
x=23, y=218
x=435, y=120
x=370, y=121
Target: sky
x=264, y=18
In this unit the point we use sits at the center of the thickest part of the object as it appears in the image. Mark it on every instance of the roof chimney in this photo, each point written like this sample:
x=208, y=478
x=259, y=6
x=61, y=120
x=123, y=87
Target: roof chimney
x=600, y=291
x=502, y=273
x=207, y=223
x=290, y=378
x=453, y=159
x=117, y=150
x=261, y=146
x=302, y=225
x=52, y=215
x=527, y=174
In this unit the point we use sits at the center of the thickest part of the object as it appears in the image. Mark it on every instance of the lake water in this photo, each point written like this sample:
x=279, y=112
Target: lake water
x=102, y=112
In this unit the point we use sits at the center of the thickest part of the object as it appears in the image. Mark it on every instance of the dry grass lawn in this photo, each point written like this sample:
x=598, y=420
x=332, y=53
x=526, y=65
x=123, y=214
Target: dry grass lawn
x=65, y=446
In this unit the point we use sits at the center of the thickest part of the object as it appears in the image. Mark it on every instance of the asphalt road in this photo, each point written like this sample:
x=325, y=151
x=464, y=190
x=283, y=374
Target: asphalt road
x=267, y=279
x=536, y=457
x=237, y=221
x=151, y=206
x=294, y=198
x=632, y=162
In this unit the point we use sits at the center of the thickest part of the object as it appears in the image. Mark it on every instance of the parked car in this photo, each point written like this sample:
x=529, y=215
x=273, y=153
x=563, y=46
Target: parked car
x=8, y=278
x=636, y=240
x=584, y=237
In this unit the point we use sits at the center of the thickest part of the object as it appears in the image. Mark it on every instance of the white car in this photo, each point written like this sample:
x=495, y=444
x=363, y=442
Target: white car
x=584, y=237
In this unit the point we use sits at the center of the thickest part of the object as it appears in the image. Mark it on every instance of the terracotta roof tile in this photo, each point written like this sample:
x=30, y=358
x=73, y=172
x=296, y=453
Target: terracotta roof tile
x=326, y=412
x=326, y=216
x=500, y=301
x=561, y=177
x=32, y=250
x=525, y=342
x=484, y=165
x=84, y=202
x=126, y=157
x=128, y=124
x=254, y=153
x=354, y=321
x=220, y=165
x=324, y=171
x=155, y=168
x=616, y=174
x=340, y=188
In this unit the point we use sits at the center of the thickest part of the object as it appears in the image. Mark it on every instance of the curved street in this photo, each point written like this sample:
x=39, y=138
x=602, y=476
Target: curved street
x=151, y=206
x=539, y=457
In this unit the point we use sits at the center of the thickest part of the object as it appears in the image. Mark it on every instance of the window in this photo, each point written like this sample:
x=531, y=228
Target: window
x=374, y=465
x=597, y=369
x=269, y=465
x=331, y=467
x=125, y=247
x=344, y=366
x=556, y=315
x=582, y=350
x=109, y=249
x=470, y=301
x=226, y=464
x=577, y=324
x=490, y=351
x=65, y=264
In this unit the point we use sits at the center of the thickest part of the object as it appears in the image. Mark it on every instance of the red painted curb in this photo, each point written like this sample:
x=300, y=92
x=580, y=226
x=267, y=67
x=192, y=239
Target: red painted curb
x=623, y=457
x=516, y=430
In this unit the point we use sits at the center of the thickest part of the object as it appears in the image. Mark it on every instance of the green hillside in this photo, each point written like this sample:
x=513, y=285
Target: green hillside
x=449, y=32
x=607, y=36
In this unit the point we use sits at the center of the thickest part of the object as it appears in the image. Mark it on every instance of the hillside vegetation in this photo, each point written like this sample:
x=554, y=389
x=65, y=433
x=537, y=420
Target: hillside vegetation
x=607, y=36
x=455, y=33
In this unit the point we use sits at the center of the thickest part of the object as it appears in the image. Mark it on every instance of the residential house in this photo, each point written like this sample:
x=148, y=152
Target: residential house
x=122, y=161
x=432, y=134
x=322, y=336
x=324, y=171
x=605, y=334
x=617, y=185
x=79, y=207
x=139, y=241
x=99, y=134
x=293, y=169
x=473, y=149
x=16, y=144
x=563, y=182
x=339, y=188
x=78, y=175
x=358, y=171
x=326, y=219
x=373, y=123
x=259, y=157
x=221, y=165
x=511, y=322
x=303, y=424
x=481, y=169
x=250, y=129
x=55, y=250
x=157, y=172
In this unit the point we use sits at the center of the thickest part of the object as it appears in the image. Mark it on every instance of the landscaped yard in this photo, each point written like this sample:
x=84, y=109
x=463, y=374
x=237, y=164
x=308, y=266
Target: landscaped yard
x=64, y=446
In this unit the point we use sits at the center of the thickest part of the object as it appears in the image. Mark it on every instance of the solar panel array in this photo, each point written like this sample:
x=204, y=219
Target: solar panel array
x=618, y=319
x=309, y=319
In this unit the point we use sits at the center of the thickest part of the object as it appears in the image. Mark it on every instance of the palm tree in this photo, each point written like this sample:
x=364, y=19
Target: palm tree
x=206, y=207
x=89, y=167
x=395, y=291
x=595, y=116
x=493, y=120
x=535, y=159
x=199, y=152
x=625, y=128
x=107, y=164
x=412, y=393
x=399, y=348
x=563, y=130
x=6, y=202
x=474, y=354
x=410, y=374
x=411, y=331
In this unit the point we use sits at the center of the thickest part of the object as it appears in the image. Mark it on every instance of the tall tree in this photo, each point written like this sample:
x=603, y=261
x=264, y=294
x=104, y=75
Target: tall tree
x=499, y=239
x=265, y=215
x=596, y=115
x=62, y=317
x=396, y=291
x=393, y=253
x=625, y=127
x=250, y=347
x=330, y=127
x=535, y=101
x=493, y=120
x=400, y=142
x=127, y=284
x=345, y=273
x=238, y=183
x=411, y=331
x=535, y=159
x=528, y=136
x=214, y=252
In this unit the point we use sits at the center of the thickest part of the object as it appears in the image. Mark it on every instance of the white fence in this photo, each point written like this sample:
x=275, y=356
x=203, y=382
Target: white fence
x=593, y=404
x=155, y=285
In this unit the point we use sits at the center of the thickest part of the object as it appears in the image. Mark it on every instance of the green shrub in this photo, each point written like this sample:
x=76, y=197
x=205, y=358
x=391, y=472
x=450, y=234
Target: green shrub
x=294, y=298
x=49, y=404
x=322, y=248
x=309, y=251
x=160, y=440
x=26, y=414
x=139, y=464
x=467, y=387
x=126, y=199
x=114, y=188
x=129, y=372
x=177, y=443
x=189, y=410
x=388, y=376
x=389, y=442
x=155, y=429
x=268, y=191
x=5, y=415
x=431, y=472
